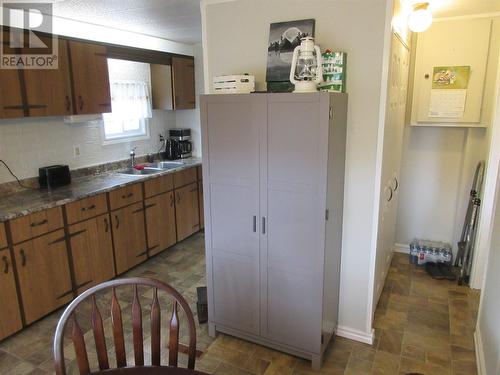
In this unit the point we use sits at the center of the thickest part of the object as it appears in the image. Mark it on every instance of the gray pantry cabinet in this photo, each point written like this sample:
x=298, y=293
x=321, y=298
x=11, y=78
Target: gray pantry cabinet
x=273, y=166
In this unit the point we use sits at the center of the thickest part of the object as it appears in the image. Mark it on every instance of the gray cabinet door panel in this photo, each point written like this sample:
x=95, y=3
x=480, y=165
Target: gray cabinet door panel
x=294, y=310
x=236, y=292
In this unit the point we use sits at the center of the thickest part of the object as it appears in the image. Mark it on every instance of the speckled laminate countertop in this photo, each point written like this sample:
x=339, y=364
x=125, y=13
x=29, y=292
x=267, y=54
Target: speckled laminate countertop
x=30, y=201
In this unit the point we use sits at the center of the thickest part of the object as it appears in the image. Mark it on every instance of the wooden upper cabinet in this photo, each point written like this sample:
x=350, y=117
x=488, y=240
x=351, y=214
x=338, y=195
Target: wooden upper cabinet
x=183, y=83
x=89, y=69
x=48, y=91
x=11, y=99
x=10, y=316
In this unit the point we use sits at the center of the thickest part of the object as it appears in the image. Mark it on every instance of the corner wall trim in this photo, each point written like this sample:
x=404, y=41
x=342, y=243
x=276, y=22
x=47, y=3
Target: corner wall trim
x=478, y=345
x=353, y=334
x=401, y=248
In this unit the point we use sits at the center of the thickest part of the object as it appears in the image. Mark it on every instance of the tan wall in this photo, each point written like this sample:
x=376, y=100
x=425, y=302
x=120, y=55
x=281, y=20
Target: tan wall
x=236, y=35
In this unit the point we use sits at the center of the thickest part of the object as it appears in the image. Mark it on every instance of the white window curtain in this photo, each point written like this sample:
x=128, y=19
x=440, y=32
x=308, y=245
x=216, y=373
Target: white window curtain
x=130, y=100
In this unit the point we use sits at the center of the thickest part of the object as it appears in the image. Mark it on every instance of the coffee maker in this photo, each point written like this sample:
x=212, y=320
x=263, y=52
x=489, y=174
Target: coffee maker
x=179, y=145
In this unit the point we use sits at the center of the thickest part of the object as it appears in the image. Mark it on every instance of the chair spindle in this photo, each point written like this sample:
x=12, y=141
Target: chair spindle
x=116, y=319
x=99, y=338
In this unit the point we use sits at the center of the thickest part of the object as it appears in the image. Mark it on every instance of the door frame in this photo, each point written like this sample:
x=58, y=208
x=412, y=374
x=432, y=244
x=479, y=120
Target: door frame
x=485, y=228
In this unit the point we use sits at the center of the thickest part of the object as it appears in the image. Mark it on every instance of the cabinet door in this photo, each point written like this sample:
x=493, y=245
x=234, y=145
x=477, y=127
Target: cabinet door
x=160, y=222
x=296, y=203
x=200, y=200
x=183, y=83
x=186, y=211
x=129, y=235
x=92, y=252
x=11, y=99
x=231, y=125
x=10, y=316
x=40, y=82
x=44, y=278
x=90, y=78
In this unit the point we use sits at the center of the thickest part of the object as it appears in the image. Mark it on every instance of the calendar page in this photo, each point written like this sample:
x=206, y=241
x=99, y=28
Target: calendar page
x=447, y=103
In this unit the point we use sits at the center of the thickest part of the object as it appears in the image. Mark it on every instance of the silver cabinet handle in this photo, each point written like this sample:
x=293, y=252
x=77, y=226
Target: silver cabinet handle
x=263, y=225
x=255, y=224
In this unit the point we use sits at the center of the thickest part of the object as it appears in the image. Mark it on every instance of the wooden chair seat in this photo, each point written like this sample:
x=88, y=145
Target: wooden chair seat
x=77, y=337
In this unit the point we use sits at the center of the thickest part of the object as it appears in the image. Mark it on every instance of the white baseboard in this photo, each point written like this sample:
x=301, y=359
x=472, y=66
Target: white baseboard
x=353, y=334
x=402, y=248
x=478, y=344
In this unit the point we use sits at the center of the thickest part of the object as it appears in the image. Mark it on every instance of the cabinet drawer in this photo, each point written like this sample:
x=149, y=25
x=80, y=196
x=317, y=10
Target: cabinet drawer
x=3, y=236
x=29, y=226
x=158, y=185
x=200, y=172
x=86, y=208
x=124, y=196
x=185, y=177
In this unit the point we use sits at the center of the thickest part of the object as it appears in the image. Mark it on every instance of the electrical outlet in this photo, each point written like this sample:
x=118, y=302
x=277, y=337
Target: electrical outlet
x=76, y=150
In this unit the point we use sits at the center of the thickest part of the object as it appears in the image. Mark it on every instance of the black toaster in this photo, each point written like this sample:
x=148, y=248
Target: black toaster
x=54, y=176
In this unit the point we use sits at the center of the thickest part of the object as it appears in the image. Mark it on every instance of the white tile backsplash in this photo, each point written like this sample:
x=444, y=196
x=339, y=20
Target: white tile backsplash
x=27, y=144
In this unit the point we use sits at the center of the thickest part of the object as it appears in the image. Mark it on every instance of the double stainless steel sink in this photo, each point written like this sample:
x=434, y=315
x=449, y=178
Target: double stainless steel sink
x=152, y=168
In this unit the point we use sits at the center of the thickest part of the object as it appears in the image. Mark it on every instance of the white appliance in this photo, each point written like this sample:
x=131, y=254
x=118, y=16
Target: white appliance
x=273, y=172
x=306, y=71
x=234, y=84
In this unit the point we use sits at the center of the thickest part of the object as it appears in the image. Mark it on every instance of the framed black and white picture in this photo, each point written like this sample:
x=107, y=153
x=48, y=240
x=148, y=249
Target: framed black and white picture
x=283, y=38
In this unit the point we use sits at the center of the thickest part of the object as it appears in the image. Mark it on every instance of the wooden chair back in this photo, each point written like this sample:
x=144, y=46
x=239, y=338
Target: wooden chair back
x=117, y=328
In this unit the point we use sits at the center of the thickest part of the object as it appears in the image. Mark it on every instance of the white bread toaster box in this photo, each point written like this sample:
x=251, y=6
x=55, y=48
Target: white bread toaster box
x=234, y=84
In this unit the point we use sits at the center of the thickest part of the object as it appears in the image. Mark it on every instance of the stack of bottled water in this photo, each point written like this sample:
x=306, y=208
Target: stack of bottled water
x=425, y=251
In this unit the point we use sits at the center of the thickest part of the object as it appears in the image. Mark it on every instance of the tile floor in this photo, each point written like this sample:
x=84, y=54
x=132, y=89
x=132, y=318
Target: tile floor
x=421, y=325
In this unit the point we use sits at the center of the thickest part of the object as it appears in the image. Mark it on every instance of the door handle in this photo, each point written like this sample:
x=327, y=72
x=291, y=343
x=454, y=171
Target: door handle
x=149, y=206
x=255, y=224
x=33, y=225
x=23, y=257
x=397, y=183
x=71, y=235
x=263, y=225
x=68, y=103
x=5, y=264
x=106, y=225
x=391, y=195
x=80, y=102
x=117, y=222
x=89, y=208
x=129, y=195
x=63, y=238
x=172, y=200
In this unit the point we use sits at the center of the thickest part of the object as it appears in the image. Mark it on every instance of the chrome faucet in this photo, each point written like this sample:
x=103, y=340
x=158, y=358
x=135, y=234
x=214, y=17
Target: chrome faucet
x=132, y=157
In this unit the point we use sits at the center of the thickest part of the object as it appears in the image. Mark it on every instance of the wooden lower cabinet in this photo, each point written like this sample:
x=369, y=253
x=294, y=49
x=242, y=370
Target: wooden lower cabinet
x=160, y=222
x=200, y=201
x=3, y=236
x=186, y=211
x=10, y=316
x=129, y=236
x=44, y=277
x=92, y=252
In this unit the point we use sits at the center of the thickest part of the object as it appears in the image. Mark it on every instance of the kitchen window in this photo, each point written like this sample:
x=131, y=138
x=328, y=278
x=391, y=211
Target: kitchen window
x=130, y=101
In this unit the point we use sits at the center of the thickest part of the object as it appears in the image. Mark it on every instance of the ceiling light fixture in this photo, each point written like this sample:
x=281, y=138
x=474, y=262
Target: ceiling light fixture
x=420, y=19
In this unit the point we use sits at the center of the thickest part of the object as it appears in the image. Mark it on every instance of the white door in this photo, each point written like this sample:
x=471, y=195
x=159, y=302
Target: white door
x=297, y=144
x=231, y=126
x=392, y=151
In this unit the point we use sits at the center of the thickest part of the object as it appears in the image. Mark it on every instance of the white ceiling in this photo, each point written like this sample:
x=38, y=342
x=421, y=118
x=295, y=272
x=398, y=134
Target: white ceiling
x=177, y=20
